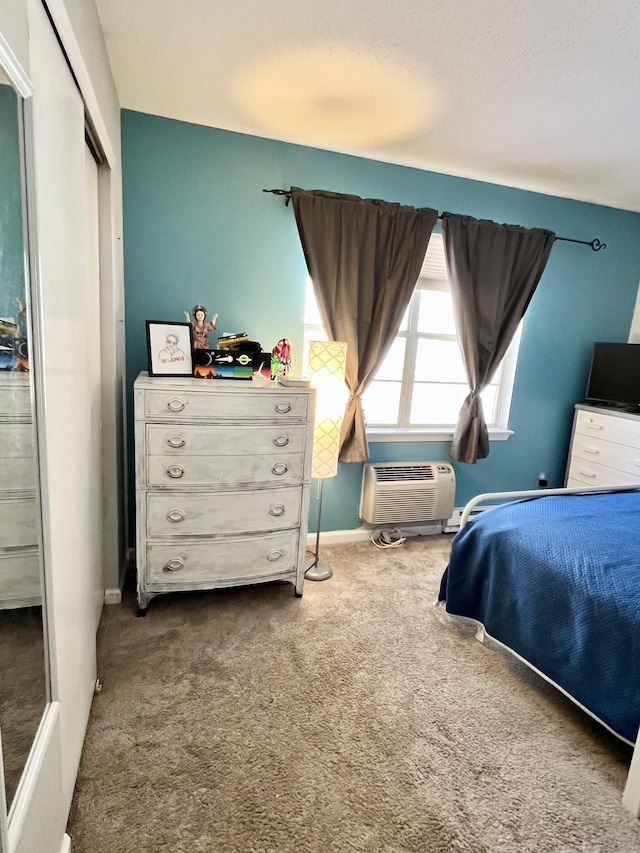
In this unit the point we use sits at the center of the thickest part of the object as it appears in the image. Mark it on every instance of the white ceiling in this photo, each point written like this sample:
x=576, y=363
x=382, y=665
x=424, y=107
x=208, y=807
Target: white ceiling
x=541, y=95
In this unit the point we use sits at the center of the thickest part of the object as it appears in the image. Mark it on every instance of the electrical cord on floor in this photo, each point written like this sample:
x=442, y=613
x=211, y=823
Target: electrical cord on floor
x=389, y=538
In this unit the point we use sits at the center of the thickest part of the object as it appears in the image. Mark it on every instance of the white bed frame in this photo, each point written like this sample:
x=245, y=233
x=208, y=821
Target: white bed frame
x=631, y=794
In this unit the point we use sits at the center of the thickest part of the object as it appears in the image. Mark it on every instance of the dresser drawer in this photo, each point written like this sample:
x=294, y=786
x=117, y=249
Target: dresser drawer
x=593, y=474
x=18, y=523
x=15, y=400
x=259, y=404
x=219, y=561
x=18, y=474
x=187, y=440
x=216, y=471
x=606, y=453
x=16, y=440
x=20, y=578
x=17, y=461
x=206, y=514
x=619, y=430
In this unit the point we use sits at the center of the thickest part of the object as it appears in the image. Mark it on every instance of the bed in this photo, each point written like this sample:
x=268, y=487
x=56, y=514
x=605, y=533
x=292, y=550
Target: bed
x=554, y=577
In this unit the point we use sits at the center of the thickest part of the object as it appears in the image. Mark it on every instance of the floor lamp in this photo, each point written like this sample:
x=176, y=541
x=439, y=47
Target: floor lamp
x=327, y=361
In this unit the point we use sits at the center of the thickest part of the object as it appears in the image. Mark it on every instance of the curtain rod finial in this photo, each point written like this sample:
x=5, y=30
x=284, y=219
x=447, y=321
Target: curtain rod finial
x=286, y=193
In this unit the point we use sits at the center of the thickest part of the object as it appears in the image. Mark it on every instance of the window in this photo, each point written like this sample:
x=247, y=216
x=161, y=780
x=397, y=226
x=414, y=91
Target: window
x=422, y=383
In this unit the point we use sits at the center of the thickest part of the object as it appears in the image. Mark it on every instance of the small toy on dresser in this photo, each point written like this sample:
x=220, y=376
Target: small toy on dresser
x=200, y=327
x=281, y=359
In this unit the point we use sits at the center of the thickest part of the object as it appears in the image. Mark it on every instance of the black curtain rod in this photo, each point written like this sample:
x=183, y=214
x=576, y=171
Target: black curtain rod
x=596, y=244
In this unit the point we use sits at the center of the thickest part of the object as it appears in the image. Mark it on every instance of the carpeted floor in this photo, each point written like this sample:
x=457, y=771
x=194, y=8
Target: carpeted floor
x=353, y=719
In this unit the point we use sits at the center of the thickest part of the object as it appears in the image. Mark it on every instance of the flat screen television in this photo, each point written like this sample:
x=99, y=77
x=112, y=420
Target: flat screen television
x=614, y=378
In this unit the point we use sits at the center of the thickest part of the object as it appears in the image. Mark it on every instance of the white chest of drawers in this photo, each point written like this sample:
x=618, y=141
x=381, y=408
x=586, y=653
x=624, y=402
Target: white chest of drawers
x=19, y=524
x=223, y=470
x=605, y=448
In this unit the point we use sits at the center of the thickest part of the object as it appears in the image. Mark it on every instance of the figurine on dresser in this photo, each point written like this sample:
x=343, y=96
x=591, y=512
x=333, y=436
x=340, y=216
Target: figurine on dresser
x=200, y=327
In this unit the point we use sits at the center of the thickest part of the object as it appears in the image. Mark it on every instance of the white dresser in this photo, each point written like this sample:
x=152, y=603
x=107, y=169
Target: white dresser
x=19, y=534
x=605, y=448
x=223, y=471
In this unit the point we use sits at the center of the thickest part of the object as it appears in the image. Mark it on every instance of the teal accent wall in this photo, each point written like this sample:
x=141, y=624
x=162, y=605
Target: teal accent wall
x=12, y=273
x=198, y=228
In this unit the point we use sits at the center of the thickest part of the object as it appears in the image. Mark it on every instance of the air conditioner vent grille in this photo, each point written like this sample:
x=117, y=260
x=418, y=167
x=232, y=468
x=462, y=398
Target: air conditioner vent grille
x=394, y=473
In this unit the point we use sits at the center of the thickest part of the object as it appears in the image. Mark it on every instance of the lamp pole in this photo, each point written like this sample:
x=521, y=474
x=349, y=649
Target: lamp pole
x=318, y=571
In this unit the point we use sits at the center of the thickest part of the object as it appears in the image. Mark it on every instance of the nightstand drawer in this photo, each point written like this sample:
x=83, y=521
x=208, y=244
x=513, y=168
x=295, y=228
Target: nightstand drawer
x=619, y=430
x=217, y=471
x=259, y=404
x=207, y=514
x=594, y=474
x=607, y=453
x=187, y=440
x=221, y=561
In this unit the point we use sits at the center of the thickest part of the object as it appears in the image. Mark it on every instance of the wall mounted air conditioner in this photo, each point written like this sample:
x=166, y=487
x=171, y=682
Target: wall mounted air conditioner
x=403, y=492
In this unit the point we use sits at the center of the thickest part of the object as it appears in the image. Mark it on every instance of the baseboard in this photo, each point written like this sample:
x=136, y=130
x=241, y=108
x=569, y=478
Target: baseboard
x=370, y=531
x=114, y=596
x=66, y=844
x=366, y=532
x=340, y=537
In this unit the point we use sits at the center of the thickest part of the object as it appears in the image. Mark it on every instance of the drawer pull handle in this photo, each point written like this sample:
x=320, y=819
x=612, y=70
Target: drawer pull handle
x=175, y=515
x=274, y=555
x=277, y=509
x=587, y=474
x=595, y=426
x=175, y=472
x=174, y=565
x=176, y=441
x=175, y=404
x=280, y=468
x=282, y=407
x=591, y=450
x=281, y=440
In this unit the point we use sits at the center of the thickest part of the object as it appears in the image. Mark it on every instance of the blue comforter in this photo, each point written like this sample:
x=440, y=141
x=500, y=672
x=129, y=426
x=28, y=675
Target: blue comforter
x=557, y=580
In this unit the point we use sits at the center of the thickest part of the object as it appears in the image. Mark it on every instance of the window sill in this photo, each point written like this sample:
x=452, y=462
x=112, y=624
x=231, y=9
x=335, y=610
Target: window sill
x=378, y=434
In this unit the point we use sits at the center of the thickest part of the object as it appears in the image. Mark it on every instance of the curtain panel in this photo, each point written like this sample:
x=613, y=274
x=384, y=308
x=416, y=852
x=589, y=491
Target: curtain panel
x=364, y=258
x=493, y=273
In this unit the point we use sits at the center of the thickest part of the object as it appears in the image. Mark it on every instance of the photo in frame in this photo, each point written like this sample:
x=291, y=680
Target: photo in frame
x=169, y=348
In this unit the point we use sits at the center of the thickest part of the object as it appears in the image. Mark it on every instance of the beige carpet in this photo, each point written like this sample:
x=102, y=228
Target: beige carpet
x=250, y=721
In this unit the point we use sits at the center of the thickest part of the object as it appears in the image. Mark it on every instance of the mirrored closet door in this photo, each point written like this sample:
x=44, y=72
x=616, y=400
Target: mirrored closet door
x=23, y=671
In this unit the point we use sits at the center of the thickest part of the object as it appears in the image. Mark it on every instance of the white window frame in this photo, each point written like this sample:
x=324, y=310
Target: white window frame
x=432, y=277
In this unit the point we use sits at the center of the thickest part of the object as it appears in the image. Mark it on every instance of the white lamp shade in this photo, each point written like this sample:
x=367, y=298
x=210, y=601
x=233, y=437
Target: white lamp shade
x=327, y=362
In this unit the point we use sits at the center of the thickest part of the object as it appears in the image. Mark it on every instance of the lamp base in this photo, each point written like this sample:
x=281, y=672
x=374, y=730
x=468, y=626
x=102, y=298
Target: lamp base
x=318, y=571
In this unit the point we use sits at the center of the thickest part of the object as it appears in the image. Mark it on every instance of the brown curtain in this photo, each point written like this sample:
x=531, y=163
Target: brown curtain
x=364, y=258
x=493, y=272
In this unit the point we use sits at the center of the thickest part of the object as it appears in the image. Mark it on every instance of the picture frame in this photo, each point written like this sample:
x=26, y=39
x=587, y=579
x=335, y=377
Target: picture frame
x=169, y=348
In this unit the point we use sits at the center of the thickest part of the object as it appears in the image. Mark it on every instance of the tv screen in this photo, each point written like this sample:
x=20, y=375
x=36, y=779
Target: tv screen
x=614, y=378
